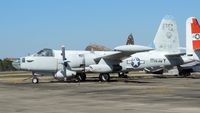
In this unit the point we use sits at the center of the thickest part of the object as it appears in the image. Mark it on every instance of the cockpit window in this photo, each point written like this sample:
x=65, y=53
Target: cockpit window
x=45, y=52
x=23, y=60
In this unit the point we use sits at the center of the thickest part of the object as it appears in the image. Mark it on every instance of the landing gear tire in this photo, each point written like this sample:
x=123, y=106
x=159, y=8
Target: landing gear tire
x=122, y=75
x=104, y=77
x=184, y=74
x=65, y=79
x=35, y=80
x=81, y=77
x=187, y=74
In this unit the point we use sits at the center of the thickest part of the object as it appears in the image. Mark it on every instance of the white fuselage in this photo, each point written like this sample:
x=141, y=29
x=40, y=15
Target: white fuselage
x=152, y=59
x=82, y=60
x=76, y=60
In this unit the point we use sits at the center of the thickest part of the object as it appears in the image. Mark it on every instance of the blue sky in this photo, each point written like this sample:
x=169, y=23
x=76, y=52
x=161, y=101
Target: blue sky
x=26, y=26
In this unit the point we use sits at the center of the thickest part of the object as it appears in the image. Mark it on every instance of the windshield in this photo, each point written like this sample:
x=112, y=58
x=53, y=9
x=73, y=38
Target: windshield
x=45, y=52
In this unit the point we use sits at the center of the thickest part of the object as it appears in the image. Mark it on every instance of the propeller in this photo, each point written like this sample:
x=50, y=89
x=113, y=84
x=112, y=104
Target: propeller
x=84, y=63
x=64, y=63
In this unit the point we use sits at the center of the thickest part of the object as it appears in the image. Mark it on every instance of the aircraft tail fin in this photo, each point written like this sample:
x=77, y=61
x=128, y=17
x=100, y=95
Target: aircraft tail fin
x=193, y=38
x=166, y=38
x=130, y=40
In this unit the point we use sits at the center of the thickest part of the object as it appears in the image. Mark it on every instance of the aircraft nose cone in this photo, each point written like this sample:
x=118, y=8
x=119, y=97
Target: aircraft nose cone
x=16, y=64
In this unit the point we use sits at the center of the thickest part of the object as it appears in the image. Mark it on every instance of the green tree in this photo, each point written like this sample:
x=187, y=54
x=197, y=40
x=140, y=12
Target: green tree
x=7, y=65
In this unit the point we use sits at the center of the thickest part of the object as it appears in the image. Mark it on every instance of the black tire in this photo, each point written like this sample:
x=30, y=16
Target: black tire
x=81, y=77
x=35, y=80
x=122, y=75
x=187, y=74
x=104, y=77
x=184, y=74
x=65, y=79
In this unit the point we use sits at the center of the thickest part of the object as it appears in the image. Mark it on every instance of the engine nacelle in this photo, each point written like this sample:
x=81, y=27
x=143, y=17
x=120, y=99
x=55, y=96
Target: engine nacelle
x=100, y=68
x=59, y=75
x=103, y=68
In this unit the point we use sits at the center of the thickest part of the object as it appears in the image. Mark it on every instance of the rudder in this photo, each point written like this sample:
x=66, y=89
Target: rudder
x=193, y=38
x=166, y=38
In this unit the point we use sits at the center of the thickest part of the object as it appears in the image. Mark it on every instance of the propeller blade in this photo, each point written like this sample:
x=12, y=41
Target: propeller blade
x=63, y=52
x=84, y=63
x=64, y=59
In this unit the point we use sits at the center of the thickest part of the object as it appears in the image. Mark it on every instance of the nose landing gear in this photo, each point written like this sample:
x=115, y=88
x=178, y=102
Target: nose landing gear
x=104, y=77
x=35, y=80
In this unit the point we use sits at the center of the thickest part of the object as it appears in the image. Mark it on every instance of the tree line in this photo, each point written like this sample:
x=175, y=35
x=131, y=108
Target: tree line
x=6, y=65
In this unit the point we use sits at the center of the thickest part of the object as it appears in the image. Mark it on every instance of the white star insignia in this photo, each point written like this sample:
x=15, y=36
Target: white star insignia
x=136, y=62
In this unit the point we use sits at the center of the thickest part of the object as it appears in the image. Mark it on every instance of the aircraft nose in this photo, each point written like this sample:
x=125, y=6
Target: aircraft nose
x=16, y=64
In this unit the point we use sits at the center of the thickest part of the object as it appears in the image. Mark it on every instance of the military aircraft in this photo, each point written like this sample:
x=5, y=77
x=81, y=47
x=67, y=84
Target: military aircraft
x=192, y=47
x=64, y=65
x=68, y=64
x=192, y=51
x=166, y=52
x=157, y=43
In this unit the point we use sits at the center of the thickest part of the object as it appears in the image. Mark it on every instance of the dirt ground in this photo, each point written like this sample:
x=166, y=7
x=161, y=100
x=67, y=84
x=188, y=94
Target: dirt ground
x=140, y=94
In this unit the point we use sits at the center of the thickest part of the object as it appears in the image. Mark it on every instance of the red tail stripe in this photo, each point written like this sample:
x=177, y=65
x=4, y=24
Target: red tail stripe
x=196, y=44
x=195, y=26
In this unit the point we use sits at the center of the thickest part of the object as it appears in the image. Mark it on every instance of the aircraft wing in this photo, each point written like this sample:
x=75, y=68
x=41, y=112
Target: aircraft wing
x=122, y=52
x=115, y=56
x=174, y=54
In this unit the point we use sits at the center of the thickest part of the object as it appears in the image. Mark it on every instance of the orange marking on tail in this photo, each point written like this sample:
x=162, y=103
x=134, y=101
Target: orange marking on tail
x=196, y=44
x=195, y=26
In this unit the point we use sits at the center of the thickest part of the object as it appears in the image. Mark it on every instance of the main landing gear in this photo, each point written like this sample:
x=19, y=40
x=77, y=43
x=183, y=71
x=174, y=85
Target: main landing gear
x=184, y=73
x=81, y=76
x=122, y=75
x=104, y=77
x=35, y=80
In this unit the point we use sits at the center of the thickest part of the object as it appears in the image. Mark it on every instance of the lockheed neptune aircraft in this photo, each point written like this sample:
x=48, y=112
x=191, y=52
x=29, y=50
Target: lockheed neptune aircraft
x=64, y=65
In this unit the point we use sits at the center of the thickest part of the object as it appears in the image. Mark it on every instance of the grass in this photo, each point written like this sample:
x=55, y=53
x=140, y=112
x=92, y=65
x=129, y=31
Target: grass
x=8, y=74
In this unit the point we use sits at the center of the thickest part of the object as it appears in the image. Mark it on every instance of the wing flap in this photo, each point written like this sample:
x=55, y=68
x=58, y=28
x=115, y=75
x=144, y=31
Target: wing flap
x=116, y=56
x=174, y=54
